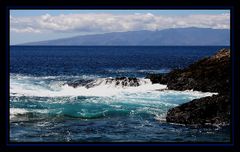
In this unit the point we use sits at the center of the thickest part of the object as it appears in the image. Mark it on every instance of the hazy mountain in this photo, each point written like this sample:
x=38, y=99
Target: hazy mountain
x=173, y=36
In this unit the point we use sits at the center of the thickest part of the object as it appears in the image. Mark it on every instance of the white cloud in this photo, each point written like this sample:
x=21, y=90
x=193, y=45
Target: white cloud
x=25, y=30
x=114, y=22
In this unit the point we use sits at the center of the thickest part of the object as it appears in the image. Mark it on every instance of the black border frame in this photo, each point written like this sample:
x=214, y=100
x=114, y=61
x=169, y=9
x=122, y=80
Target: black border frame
x=230, y=4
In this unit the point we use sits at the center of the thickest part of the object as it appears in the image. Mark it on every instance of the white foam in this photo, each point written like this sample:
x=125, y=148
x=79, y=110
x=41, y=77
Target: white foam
x=138, y=71
x=31, y=86
x=28, y=88
x=21, y=111
x=191, y=92
x=29, y=78
x=16, y=111
x=155, y=71
x=160, y=117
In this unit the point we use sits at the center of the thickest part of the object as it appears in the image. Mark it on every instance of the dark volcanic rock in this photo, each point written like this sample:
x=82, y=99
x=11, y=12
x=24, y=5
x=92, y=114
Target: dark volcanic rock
x=210, y=74
x=77, y=83
x=123, y=81
x=204, y=111
x=118, y=81
x=157, y=78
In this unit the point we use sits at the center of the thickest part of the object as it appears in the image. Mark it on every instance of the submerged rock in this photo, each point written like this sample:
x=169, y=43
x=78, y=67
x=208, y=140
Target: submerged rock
x=211, y=74
x=78, y=83
x=123, y=81
x=118, y=81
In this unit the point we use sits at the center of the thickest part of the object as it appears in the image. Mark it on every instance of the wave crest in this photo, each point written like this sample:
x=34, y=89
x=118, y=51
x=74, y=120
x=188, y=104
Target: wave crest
x=50, y=87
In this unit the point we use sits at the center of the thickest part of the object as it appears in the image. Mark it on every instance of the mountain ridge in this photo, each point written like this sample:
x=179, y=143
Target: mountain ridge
x=166, y=37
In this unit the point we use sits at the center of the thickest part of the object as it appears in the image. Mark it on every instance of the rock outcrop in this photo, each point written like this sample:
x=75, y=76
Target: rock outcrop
x=158, y=78
x=123, y=81
x=78, y=83
x=204, y=111
x=211, y=74
x=118, y=81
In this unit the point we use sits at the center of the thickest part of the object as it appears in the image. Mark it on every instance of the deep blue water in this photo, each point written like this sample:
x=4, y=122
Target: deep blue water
x=43, y=107
x=45, y=61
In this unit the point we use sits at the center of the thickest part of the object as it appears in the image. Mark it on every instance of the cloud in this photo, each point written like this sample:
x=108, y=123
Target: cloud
x=25, y=30
x=105, y=22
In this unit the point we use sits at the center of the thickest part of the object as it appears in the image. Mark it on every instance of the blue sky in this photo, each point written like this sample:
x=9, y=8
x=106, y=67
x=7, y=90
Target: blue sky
x=38, y=25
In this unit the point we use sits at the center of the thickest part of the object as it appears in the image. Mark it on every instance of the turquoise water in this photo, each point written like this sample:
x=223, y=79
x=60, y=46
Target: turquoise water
x=45, y=108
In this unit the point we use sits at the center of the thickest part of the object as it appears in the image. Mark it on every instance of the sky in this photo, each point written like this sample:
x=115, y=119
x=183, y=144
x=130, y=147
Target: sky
x=40, y=25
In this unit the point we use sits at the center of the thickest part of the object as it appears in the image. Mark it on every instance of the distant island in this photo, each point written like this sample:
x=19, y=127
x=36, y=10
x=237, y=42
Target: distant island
x=190, y=36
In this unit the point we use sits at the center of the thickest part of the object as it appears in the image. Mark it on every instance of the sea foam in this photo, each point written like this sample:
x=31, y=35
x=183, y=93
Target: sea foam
x=32, y=86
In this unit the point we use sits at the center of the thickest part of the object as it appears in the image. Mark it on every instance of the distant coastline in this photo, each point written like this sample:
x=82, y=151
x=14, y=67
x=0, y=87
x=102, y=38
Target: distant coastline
x=166, y=37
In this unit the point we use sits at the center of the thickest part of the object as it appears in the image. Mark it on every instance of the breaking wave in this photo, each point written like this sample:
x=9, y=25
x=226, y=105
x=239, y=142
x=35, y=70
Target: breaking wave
x=90, y=86
x=92, y=97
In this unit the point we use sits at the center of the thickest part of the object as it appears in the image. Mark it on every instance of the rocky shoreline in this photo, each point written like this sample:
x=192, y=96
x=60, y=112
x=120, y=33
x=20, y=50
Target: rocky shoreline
x=211, y=74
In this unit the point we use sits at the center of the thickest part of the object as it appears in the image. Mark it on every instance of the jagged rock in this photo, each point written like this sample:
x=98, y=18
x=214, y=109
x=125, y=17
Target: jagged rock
x=210, y=74
x=157, y=78
x=118, y=81
x=204, y=111
x=77, y=83
x=123, y=81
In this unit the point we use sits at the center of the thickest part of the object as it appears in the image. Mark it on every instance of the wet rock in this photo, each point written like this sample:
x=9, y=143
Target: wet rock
x=123, y=81
x=78, y=83
x=157, y=78
x=204, y=111
x=118, y=81
x=210, y=74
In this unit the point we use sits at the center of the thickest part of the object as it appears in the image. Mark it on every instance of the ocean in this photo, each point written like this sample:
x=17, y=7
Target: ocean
x=69, y=94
